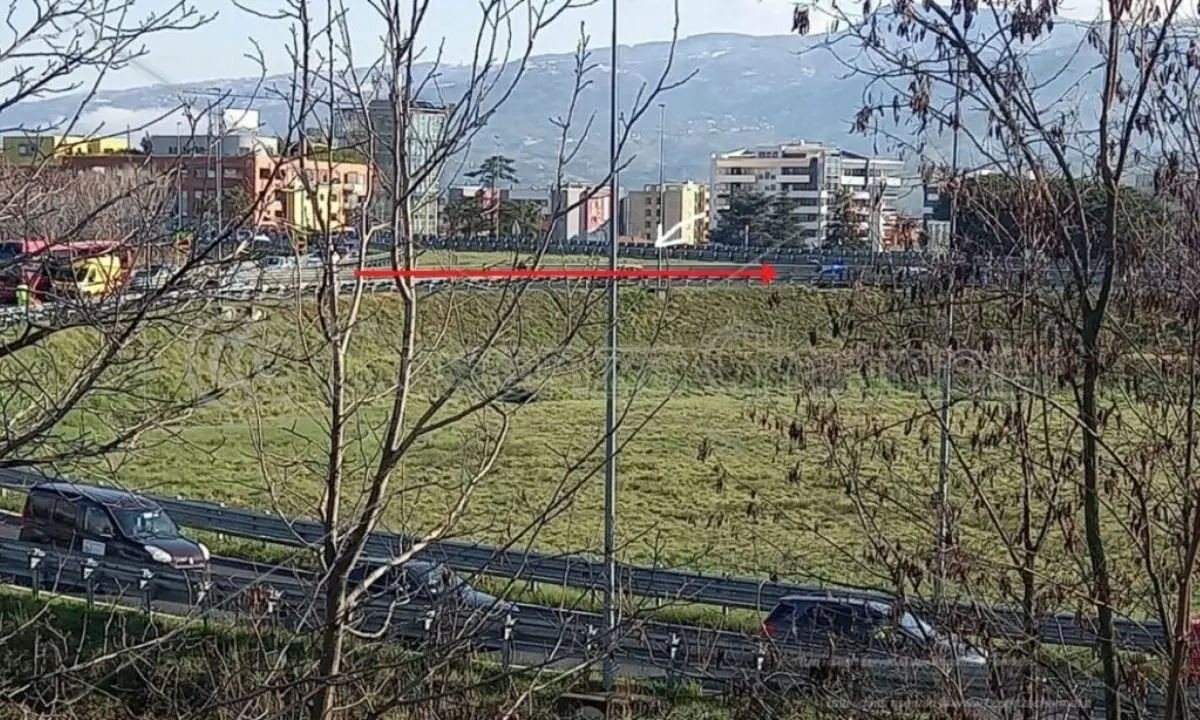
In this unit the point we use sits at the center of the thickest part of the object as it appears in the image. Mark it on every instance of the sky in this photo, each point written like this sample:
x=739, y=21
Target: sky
x=221, y=47
x=218, y=49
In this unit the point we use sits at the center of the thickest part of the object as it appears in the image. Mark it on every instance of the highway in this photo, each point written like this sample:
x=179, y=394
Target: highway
x=534, y=635
x=791, y=267
x=581, y=572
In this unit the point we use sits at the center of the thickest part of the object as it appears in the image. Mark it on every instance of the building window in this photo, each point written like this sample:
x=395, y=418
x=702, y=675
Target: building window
x=232, y=173
x=24, y=150
x=264, y=173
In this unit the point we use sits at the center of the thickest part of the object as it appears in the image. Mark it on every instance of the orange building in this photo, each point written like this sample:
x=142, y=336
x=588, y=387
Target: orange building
x=272, y=183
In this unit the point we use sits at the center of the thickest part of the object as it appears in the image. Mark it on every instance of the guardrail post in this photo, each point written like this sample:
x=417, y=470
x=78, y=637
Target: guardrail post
x=203, y=596
x=35, y=570
x=427, y=623
x=146, y=589
x=672, y=668
x=590, y=646
x=89, y=581
x=506, y=649
x=760, y=661
x=274, y=601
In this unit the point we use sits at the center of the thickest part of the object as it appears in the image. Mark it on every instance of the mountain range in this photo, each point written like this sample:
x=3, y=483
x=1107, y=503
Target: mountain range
x=739, y=91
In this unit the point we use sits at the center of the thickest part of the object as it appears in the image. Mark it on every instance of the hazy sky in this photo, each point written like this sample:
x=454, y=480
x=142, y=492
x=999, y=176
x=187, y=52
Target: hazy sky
x=217, y=50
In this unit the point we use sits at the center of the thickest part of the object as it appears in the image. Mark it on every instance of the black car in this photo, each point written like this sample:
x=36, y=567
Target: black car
x=107, y=523
x=863, y=626
x=429, y=583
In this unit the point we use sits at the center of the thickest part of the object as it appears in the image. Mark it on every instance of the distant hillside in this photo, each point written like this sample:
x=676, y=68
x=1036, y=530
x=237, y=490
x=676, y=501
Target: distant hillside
x=746, y=90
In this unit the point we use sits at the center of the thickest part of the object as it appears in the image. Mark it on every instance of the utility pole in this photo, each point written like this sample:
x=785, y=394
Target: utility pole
x=943, y=486
x=610, y=401
x=662, y=190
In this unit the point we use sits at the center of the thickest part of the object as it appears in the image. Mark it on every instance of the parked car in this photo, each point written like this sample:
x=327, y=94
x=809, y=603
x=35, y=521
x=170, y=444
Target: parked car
x=430, y=583
x=863, y=626
x=109, y=523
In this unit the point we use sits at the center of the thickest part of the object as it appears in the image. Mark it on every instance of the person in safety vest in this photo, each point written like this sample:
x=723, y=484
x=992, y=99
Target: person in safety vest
x=23, y=295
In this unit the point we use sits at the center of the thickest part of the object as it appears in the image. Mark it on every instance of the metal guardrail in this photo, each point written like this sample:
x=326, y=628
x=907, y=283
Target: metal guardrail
x=581, y=572
x=533, y=635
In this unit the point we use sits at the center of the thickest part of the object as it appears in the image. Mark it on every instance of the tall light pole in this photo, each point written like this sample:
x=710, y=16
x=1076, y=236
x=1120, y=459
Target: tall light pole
x=610, y=400
x=179, y=176
x=220, y=130
x=943, y=488
x=662, y=191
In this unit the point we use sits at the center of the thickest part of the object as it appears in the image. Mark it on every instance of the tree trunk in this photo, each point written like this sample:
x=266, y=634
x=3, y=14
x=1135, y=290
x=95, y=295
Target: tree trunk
x=1101, y=584
x=1181, y=636
x=332, y=640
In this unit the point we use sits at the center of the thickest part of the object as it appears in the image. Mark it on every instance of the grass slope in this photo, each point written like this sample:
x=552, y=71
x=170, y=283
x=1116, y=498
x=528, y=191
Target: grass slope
x=712, y=480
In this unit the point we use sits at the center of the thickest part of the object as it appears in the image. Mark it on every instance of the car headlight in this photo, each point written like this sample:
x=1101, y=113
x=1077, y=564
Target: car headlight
x=157, y=554
x=204, y=551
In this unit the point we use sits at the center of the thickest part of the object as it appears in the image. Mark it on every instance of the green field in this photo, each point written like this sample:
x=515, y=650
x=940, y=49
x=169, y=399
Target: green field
x=713, y=476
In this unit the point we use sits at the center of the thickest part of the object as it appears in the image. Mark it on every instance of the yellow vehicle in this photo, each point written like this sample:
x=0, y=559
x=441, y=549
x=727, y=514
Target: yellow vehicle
x=87, y=277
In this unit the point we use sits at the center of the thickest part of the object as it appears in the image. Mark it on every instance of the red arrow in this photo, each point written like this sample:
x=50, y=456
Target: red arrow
x=764, y=272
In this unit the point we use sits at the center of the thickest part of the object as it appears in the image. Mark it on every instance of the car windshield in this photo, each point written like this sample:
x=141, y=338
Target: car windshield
x=146, y=523
x=918, y=627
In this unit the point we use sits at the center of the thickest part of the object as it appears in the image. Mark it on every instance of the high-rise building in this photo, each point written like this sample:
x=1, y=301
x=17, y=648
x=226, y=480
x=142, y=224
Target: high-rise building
x=811, y=175
x=682, y=207
x=426, y=131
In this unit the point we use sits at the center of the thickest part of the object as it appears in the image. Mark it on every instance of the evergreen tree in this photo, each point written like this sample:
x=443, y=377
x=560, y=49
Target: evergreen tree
x=493, y=172
x=768, y=221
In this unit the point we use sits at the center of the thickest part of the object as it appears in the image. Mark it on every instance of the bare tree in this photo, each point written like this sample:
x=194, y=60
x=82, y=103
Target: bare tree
x=1068, y=441
x=445, y=378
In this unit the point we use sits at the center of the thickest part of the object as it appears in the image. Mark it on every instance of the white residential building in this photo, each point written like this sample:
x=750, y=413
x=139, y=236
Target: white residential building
x=810, y=174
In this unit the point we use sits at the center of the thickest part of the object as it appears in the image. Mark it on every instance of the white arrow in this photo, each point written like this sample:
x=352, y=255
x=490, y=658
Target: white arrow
x=664, y=241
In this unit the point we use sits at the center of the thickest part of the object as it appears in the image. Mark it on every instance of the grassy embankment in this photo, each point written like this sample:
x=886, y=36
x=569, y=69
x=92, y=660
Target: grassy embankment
x=711, y=481
x=59, y=657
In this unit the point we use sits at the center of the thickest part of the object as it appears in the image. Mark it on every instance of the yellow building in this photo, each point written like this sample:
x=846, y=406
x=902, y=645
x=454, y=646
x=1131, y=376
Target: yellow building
x=306, y=214
x=30, y=149
x=683, y=204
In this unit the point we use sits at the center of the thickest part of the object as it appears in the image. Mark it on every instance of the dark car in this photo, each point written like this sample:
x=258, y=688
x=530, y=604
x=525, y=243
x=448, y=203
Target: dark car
x=430, y=583
x=835, y=274
x=863, y=626
x=107, y=523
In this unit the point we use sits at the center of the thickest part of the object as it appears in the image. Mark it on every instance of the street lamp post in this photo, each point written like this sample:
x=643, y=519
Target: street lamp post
x=943, y=486
x=610, y=401
x=179, y=176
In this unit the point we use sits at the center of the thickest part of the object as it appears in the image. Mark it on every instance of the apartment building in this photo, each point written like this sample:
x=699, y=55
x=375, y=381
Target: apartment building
x=935, y=210
x=31, y=149
x=493, y=199
x=811, y=174
x=580, y=213
x=340, y=187
x=427, y=123
x=680, y=209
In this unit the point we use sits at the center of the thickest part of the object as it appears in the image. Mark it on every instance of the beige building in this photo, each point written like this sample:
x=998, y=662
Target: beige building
x=811, y=174
x=679, y=207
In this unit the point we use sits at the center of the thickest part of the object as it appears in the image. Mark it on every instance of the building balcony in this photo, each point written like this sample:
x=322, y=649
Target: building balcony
x=734, y=179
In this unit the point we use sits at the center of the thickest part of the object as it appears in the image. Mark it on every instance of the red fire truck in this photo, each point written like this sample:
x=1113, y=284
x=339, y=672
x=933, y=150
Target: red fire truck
x=35, y=261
